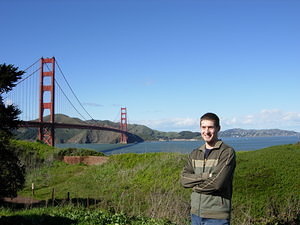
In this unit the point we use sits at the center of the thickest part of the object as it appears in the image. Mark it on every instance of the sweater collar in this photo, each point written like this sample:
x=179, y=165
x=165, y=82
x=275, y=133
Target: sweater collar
x=216, y=146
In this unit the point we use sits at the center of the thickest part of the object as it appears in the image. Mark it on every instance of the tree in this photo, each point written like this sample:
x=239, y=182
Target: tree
x=12, y=172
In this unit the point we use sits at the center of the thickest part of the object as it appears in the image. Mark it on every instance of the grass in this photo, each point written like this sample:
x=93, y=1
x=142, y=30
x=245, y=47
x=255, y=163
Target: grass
x=266, y=185
x=267, y=182
x=133, y=180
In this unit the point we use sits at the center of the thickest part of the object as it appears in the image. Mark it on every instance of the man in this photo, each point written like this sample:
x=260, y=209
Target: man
x=209, y=172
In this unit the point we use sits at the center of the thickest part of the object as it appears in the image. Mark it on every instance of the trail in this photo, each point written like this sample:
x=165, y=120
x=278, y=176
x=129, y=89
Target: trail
x=21, y=200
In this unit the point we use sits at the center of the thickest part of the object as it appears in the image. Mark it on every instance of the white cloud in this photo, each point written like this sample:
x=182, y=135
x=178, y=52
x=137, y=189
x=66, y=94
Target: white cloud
x=265, y=119
x=248, y=120
x=172, y=124
x=291, y=116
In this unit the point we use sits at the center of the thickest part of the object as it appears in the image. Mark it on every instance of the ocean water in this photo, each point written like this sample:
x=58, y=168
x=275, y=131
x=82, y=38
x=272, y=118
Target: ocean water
x=238, y=143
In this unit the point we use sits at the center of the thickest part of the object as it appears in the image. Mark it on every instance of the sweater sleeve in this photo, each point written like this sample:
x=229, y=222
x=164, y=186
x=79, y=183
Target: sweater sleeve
x=188, y=177
x=221, y=176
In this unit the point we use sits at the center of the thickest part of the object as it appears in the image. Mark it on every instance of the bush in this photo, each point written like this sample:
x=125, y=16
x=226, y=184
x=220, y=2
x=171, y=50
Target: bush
x=12, y=173
x=76, y=152
x=73, y=215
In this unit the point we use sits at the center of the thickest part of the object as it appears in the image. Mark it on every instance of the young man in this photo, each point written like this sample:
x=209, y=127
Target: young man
x=209, y=172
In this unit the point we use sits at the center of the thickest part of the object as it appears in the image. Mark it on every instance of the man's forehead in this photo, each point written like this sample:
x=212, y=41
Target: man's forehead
x=206, y=122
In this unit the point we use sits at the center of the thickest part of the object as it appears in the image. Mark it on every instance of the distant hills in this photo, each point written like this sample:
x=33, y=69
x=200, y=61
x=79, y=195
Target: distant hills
x=237, y=132
x=141, y=133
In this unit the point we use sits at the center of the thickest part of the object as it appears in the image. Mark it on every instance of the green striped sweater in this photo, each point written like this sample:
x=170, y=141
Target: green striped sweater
x=210, y=180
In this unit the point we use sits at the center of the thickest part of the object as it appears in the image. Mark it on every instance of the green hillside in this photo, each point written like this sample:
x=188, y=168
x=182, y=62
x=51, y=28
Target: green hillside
x=140, y=132
x=266, y=185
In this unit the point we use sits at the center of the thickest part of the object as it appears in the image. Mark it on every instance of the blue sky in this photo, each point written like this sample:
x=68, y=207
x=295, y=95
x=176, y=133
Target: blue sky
x=168, y=62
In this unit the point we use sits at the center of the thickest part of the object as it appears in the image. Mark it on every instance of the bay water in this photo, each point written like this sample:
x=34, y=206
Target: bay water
x=238, y=143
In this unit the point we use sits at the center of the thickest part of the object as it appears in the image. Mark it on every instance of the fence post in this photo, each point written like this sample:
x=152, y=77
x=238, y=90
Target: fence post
x=32, y=188
x=52, y=196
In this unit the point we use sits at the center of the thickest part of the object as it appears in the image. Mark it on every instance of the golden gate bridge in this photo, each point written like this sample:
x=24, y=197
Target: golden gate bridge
x=41, y=92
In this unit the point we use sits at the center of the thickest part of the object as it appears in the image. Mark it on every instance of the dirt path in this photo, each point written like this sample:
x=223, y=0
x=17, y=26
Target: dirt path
x=21, y=200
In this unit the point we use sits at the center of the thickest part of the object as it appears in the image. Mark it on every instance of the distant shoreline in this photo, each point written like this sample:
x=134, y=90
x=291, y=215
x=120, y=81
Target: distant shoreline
x=194, y=139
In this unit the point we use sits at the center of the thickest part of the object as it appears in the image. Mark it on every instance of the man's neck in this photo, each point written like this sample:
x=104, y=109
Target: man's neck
x=210, y=145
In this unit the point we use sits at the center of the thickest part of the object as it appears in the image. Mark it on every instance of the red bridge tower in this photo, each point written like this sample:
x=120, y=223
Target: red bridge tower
x=123, y=126
x=47, y=81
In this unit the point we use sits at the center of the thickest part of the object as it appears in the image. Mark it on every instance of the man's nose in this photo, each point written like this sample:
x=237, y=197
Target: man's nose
x=205, y=130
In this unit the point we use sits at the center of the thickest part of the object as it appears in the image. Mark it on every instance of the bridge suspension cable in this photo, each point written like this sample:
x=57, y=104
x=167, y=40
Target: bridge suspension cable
x=69, y=100
x=24, y=94
x=73, y=93
x=28, y=76
x=32, y=65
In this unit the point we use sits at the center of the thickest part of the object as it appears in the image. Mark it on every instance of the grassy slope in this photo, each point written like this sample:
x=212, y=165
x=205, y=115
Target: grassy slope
x=266, y=183
x=268, y=180
x=132, y=183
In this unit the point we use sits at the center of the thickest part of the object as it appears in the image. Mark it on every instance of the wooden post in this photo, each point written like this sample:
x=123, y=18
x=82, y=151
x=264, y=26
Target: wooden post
x=52, y=196
x=32, y=189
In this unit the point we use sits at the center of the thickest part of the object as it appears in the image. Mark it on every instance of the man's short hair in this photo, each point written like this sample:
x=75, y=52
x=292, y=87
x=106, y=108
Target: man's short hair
x=212, y=117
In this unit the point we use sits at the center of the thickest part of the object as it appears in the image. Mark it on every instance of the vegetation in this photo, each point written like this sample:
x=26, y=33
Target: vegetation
x=129, y=183
x=267, y=186
x=11, y=171
x=74, y=215
x=78, y=152
x=135, y=186
x=34, y=155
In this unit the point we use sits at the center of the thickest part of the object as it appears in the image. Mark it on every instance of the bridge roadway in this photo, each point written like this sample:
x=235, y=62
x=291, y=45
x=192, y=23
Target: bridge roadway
x=73, y=126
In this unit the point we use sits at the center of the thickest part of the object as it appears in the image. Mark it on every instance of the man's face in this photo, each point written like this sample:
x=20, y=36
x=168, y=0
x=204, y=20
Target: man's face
x=209, y=131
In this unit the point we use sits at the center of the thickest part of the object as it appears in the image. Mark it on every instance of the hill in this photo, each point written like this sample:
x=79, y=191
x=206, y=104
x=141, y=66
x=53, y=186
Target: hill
x=140, y=133
x=237, y=132
x=266, y=187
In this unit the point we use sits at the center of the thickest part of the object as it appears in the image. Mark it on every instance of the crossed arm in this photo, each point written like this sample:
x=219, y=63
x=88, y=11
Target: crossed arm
x=208, y=183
